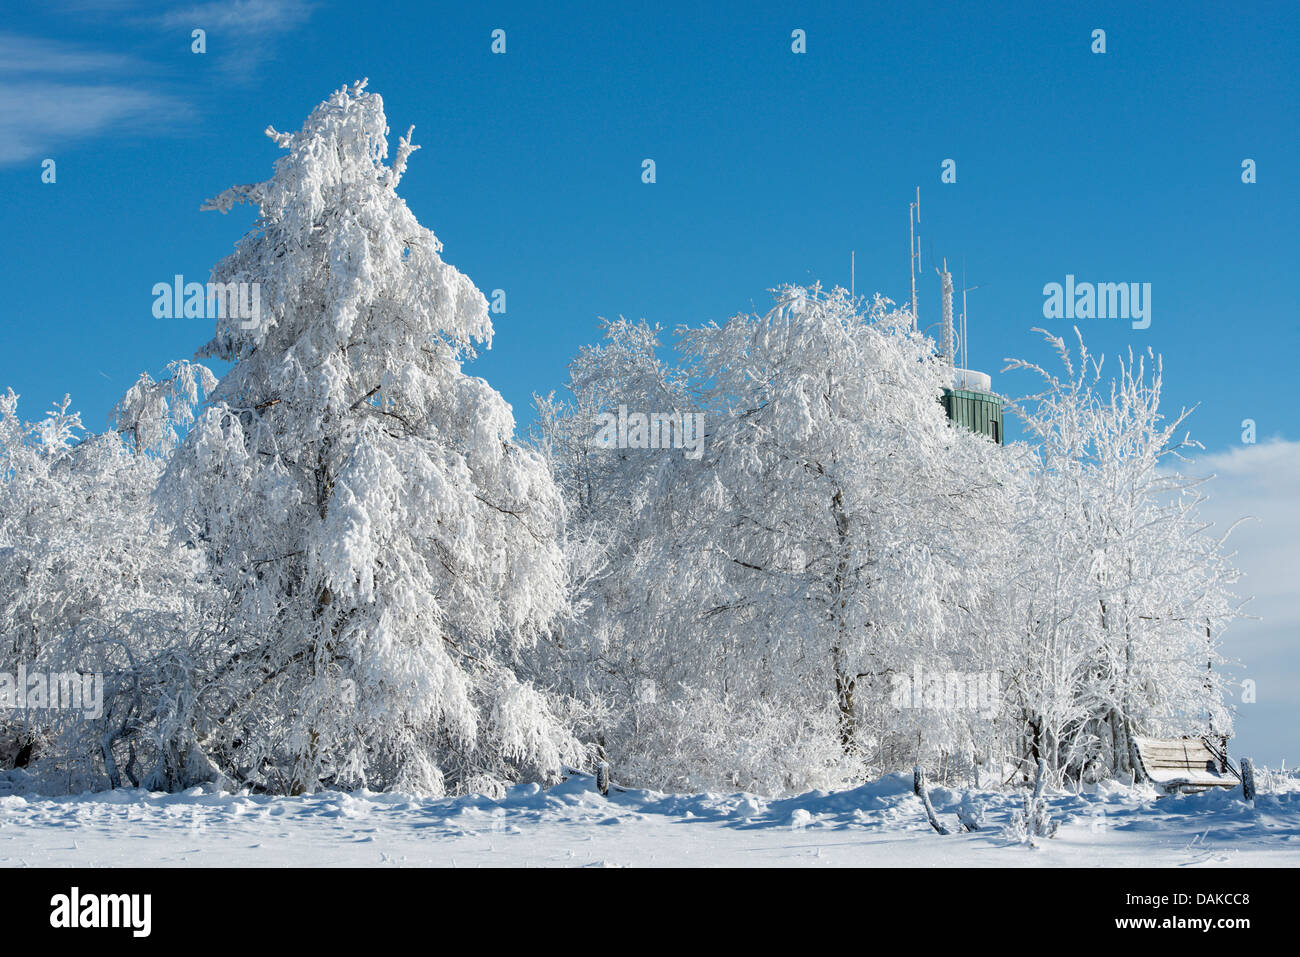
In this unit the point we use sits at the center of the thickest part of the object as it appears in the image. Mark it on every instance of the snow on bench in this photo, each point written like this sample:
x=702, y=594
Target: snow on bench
x=1178, y=763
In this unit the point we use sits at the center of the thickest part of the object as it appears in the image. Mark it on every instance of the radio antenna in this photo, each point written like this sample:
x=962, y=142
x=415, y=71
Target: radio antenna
x=914, y=247
x=965, y=342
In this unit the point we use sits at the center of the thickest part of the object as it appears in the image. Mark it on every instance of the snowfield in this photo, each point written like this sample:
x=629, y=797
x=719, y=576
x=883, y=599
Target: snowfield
x=571, y=824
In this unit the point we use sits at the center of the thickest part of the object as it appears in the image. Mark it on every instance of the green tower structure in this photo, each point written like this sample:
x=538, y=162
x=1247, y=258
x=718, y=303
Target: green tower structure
x=972, y=403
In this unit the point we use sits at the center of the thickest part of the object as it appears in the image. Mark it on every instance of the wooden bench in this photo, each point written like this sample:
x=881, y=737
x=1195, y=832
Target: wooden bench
x=1183, y=764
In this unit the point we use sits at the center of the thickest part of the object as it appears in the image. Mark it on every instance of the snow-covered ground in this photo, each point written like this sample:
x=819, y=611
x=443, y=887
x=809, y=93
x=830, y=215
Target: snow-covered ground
x=571, y=824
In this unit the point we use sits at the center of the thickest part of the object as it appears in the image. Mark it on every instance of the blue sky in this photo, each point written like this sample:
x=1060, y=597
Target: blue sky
x=771, y=167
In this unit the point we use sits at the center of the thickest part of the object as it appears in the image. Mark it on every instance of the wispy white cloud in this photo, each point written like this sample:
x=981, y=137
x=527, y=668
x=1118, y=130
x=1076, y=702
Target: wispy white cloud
x=37, y=119
x=53, y=93
x=269, y=15
x=241, y=33
x=33, y=55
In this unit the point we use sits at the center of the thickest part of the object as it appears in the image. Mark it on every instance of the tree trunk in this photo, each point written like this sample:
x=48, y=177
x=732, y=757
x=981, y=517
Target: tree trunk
x=848, y=720
x=845, y=680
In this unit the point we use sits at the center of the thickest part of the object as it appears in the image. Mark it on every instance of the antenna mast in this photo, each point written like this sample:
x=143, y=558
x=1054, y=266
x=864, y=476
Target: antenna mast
x=914, y=247
x=965, y=356
x=945, y=278
x=965, y=341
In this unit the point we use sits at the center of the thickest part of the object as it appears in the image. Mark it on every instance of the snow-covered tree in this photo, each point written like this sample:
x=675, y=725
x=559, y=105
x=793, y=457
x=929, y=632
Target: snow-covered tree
x=766, y=591
x=1122, y=594
x=833, y=467
x=90, y=586
x=391, y=553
